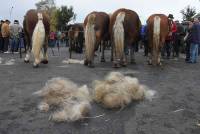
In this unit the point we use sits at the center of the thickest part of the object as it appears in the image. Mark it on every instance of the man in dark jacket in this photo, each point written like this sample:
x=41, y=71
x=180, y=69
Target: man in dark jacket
x=143, y=34
x=178, y=39
x=195, y=41
x=187, y=40
x=1, y=38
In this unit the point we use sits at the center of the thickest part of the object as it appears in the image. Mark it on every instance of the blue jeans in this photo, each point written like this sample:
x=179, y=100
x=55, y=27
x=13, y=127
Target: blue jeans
x=194, y=52
x=15, y=44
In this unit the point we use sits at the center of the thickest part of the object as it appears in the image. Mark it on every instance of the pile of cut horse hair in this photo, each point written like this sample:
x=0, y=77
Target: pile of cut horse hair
x=117, y=90
x=73, y=102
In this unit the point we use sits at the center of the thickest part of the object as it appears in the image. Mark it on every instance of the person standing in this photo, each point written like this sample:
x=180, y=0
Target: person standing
x=178, y=39
x=5, y=31
x=15, y=30
x=170, y=40
x=52, y=39
x=187, y=40
x=1, y=38
x=168, y=46
x=174, y=36
x=195, y=41
x=144, y=39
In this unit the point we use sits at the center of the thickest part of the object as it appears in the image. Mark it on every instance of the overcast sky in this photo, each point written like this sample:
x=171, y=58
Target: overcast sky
x=82, y=7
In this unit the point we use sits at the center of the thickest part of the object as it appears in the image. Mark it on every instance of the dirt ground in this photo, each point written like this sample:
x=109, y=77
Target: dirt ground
x=174, y=110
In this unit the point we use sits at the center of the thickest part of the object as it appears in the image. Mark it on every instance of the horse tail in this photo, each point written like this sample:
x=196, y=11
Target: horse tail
x=38, y=38
x=118, y=30
x=90, y=37
x=156, y=38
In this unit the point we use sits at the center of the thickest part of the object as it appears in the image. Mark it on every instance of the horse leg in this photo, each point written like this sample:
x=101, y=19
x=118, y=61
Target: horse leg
x=37, y=59
x=45, y=54
x=91, y=62
x=28, y=49
x=70, y=48
x=102, y=45
x=159, y=57
x=159, y=61
x=150, y=57
x=132, y=54
x=115, y=60
x=27, y=57
x=111, y=59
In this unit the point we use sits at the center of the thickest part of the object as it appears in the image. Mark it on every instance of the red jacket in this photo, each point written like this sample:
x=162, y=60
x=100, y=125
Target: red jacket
x=174, y=27
x=172, y=31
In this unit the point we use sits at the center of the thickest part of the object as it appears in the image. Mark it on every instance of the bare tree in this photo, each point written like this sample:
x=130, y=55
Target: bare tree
x=188, y=12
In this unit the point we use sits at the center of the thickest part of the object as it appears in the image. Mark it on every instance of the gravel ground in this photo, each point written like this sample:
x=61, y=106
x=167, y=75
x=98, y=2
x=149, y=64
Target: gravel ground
x=174, y=110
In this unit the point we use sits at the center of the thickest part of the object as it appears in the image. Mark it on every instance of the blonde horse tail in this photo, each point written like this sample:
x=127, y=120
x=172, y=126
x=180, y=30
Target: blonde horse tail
x=156, y=39
x=90, y=38
x=118, y=31
x=38, y=39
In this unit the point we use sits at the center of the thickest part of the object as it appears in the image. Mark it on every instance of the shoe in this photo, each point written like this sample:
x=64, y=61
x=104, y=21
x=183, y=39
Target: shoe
x=16, y=52
x=191, y=62
x=175, y=58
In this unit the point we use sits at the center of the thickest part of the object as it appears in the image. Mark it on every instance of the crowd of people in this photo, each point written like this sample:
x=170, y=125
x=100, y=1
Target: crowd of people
x=178, y=36
x=11, y=36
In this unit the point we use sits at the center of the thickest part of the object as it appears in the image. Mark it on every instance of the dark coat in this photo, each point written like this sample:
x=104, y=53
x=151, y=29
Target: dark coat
x=195, y=34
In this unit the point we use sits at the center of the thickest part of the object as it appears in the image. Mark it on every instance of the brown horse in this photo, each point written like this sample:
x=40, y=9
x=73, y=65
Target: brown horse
x=96, y=29
x=124, y=30
x=158, y=28
x=75, y=36
x=36, y=30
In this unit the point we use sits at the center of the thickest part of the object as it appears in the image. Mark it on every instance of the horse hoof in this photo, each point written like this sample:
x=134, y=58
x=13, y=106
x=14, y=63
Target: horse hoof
x=124, y=65
x=115, y=65
x=44, y=61
x=26, y=61
x=85, y=62
x=133, y=62
x=91, y=66
x=103, y=60
x=160, y=64
x=35, y=65
x=149, y=63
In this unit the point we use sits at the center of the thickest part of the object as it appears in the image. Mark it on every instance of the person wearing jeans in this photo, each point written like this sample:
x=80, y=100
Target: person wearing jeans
x=195, y=41
x=15, y=29
x=5, y=31
x=194, y=52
